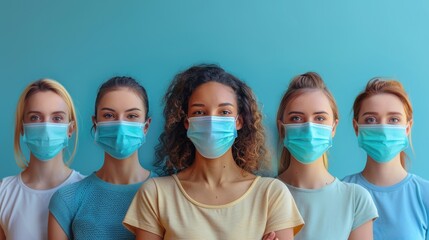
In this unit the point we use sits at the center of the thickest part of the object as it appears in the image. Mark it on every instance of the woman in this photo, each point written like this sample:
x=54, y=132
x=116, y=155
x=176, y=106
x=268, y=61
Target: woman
x=382, y=119
x=307, y=119
x=213, y=142
x=45, y=121
x=94, y=208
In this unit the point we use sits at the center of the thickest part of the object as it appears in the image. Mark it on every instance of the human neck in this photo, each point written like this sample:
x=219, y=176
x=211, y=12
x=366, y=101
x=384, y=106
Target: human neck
x=42, y=175
x=213, y=172
x=384, y=174
x=122, y=171
x=307, y=176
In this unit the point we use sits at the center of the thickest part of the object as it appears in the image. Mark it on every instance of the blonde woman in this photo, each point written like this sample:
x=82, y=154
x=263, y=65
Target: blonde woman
x=45, y=121
x=307, y=119
x=382, y=119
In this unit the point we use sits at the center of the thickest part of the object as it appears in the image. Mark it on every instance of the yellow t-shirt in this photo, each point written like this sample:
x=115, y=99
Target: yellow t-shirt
x=162, y=207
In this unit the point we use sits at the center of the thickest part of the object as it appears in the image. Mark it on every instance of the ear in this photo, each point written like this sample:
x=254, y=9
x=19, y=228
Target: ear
x=94, y=122
x=239, y=122
x=186, y=123
x=146, y=127
x=409, y=125
x=281, y=129
x=72, y=128
x=355, y=127
x=334, y=127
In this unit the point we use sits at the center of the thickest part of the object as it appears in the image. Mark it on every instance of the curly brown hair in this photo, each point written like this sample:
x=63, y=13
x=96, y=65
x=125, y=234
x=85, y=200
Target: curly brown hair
x=176, y=152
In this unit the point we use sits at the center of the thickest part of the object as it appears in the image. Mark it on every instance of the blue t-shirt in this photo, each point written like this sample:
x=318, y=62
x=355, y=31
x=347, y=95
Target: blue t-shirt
x=333, y=211
x=403, y=207
x=93, y=208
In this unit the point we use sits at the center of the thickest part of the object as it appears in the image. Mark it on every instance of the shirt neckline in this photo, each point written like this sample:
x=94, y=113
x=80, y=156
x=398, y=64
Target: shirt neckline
x=309, y=190
x=116, y=187
x=189, y=198
x=41, y=191
x=394, y=187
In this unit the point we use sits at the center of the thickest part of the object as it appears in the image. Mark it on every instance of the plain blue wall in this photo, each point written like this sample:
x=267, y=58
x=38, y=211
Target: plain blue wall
x=265, y=43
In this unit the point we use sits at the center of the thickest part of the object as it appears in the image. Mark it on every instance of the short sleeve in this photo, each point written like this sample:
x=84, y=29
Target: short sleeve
x=143, y=212
x=282, y=210
x=364, y=206
x=59, y=207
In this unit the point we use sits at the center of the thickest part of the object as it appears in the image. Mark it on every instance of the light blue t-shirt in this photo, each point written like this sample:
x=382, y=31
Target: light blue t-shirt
x=403, y=208
x=332, y=212
x=93, y=208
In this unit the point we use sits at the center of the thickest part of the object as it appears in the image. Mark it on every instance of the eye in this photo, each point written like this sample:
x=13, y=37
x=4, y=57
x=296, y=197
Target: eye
x=197, y=112
x=35, y=118
x=296, y=119
x=370, y=120
x=394, y=120
x=57, y=118
x=320, y=118
x=226, y=112
x=133, y=116
x=108, y=115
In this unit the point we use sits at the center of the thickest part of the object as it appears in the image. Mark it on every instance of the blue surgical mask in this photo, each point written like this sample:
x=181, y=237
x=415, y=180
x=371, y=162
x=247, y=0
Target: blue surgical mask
x=45, y=140
x=212, y=136
x=307, y=141
x=382, y=142
x=120, y=139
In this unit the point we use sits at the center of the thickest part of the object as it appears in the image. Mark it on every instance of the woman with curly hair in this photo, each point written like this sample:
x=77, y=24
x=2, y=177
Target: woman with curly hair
x=212, y=144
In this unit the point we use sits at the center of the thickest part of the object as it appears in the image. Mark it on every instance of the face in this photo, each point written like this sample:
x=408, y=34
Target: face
x=47, y=106
x=311, y=106
x=121, y=105
x=213, y=99
x=382, y=108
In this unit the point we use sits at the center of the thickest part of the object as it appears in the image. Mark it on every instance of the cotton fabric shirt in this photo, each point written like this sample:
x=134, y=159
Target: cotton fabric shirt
x=24, y=211
x=164, y=208
x=93, y=208
x=333, y=211
x=403, y=207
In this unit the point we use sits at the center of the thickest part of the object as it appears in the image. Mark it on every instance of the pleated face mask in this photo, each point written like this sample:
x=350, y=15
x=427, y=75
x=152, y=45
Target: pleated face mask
x=120, y=139
x=382, y=142
x=45, y=140
x=212, y=136
x=307, y=141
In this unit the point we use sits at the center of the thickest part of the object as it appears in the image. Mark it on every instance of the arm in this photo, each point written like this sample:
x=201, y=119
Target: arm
x=285, y=234
x=2, y=235
x=55, y=232
x=364, y=231
x=144, y=235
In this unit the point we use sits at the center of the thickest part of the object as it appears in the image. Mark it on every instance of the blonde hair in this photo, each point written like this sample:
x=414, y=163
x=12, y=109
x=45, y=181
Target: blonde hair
x=377, y=86
x=300, y=84
x=42, y=85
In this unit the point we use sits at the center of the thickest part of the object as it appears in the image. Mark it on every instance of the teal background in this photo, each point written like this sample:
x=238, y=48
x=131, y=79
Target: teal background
x=265, y=43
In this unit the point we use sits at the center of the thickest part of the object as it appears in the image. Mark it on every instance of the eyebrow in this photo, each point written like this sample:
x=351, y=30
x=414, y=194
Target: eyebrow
x=376, y=113
x=37, y=112
x=220, y=105
x=320, y=112
x=133, y=109
x=128, y=110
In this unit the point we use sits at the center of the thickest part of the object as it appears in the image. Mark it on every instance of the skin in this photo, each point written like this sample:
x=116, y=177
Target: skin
x=214, y=181
x=45, y=107
x=313, y=106
x=383, y=109
x=125, y=171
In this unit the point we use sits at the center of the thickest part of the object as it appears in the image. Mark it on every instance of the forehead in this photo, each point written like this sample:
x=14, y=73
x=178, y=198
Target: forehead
x=382, y=103
x=213, y=92
x=122, y=98
x=45, y=101
x=309, y=101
